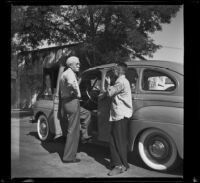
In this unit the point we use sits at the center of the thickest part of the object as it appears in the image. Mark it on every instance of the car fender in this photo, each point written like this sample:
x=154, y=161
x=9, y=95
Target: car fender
x=166, y=119
x=49, y=114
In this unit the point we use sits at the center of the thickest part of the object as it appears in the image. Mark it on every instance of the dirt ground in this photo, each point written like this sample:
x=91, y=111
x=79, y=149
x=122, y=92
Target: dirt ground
x=34, y=159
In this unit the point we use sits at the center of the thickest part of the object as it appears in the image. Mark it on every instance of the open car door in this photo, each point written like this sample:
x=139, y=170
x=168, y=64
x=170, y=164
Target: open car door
x=103, y=114
x=56, y=107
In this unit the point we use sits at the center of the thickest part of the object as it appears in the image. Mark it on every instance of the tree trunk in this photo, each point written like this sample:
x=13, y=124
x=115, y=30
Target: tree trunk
x=92, y=31
x=88, y=61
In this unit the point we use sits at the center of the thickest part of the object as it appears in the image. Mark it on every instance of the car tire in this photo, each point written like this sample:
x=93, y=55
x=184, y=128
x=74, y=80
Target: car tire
x=43, y=129
x=157, y=150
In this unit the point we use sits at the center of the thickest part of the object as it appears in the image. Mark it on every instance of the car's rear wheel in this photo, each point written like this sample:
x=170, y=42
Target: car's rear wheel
x=43, y=129
x=157, y=150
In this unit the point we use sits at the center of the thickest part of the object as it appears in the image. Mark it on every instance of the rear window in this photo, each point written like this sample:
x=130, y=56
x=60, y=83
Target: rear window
x=154, y=80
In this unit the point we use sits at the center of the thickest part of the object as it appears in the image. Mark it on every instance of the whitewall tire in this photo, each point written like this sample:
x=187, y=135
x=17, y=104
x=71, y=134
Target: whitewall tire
x=157, y=149
x=43, y=129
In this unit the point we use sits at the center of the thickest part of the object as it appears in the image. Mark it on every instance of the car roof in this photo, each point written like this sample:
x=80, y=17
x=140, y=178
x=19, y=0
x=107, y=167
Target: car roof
x=177, y=67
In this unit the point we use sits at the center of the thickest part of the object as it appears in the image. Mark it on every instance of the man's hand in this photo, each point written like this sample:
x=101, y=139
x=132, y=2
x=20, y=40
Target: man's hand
x=79, y=80
x=102, y=95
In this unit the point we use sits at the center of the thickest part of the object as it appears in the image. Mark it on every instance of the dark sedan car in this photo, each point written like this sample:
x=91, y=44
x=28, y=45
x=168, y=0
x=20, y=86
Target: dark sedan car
x=156, y=127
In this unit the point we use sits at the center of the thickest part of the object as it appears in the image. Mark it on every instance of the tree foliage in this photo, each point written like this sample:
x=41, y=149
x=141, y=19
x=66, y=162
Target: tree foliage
x=107, y=32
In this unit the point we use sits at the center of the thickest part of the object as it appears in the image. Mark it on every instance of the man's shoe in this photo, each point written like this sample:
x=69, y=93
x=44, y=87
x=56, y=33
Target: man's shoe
x=124, y=168
x=72, y=161
x=116, y=170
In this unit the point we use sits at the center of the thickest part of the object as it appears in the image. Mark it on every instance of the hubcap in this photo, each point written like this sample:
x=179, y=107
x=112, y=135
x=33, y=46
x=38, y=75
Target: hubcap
x=43, y=128
x=158, y=148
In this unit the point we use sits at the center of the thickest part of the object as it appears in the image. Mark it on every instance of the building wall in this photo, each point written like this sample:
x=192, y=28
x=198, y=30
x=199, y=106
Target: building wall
x=30, y=72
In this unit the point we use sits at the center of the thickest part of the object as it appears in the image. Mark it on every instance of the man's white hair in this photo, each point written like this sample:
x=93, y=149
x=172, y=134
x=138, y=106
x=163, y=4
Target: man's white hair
x=71, y=60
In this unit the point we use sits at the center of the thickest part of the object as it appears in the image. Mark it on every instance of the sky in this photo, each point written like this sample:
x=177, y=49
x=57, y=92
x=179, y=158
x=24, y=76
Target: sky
x=172, y=39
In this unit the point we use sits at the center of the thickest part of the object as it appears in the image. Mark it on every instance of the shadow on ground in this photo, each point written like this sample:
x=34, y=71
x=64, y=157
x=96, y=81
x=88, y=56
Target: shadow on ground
x=134, y=159
x=55, y=146
x=99, y=153
x=34, y=134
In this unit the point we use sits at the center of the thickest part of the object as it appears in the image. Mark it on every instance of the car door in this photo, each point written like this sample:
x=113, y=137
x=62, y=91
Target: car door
x=104, y=105
x=90, y=87
x=158, y=86
x=58, y=124
x=103, y=108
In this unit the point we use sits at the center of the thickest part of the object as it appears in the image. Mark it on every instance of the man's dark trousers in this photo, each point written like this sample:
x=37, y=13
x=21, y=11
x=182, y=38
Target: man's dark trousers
x=85, y=119
x=71, y=111
x=119, y=142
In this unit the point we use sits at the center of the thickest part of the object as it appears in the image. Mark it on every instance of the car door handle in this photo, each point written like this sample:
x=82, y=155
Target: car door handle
x=137, y=98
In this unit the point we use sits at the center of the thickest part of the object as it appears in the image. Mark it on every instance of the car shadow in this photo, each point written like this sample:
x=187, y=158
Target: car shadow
x=134, y=159
x=34, y=134
x=100, y=153
x=55, y=146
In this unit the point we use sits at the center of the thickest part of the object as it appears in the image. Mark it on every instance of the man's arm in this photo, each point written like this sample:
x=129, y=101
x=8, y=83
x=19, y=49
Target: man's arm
x=111, y=90
x=72, y=84
x=115, y=89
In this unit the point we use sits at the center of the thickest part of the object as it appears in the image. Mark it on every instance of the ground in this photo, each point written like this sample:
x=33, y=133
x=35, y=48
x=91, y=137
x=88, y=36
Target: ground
x=32, y=158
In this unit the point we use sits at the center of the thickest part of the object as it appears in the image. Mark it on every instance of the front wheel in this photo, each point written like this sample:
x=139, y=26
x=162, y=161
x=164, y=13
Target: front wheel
x=43, y=129
x=157, y=150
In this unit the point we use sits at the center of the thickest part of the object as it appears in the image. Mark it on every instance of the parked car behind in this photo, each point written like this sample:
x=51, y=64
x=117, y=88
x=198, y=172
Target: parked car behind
x=156, y=127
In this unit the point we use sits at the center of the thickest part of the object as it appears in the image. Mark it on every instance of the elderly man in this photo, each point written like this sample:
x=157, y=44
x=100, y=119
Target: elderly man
x=120, y=111
x=72, y=112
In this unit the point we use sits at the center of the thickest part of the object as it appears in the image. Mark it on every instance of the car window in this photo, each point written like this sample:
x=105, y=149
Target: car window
x=91, y=80
x=96, y=84
x=132, y=76
x=154, y=80
x=90, y=87
x=112, y=77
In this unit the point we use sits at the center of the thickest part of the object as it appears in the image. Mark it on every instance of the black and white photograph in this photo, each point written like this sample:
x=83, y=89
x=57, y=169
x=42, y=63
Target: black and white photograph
x=97, y=91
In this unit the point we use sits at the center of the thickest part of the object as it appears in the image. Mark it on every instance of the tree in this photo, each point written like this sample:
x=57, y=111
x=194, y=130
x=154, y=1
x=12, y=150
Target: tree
x=107, y=33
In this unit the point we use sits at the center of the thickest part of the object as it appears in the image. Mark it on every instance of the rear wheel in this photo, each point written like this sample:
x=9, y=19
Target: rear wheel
x=43, y=129
x=157, y=150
